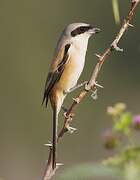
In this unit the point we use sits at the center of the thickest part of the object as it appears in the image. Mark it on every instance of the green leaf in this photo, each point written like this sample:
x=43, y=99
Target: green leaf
x=132, y=171
x=87, y=171
x=132, y=153
x=115, y=6
x=124, y=157
x=123, y=124
x=128, y=162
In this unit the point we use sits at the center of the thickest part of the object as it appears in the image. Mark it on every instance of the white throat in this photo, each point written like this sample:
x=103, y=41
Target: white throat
x=81, y=42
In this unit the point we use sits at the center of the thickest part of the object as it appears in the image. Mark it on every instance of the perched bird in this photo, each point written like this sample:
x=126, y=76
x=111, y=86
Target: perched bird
x=65, y=70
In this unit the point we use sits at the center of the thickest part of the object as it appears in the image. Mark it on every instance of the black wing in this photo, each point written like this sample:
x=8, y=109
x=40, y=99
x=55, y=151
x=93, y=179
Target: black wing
x=54, y=77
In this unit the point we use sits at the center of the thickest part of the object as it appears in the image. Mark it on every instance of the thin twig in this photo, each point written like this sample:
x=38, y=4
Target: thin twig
x=92, y=85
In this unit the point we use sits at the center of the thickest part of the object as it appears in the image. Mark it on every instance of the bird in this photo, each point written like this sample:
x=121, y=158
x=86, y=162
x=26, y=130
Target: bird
x=65, y=69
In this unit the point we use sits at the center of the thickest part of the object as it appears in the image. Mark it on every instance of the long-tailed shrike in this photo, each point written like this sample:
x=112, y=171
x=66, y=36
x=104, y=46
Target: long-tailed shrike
x=65, y=70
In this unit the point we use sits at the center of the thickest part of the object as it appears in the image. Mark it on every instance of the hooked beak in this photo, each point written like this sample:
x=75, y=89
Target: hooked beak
x=94, y=30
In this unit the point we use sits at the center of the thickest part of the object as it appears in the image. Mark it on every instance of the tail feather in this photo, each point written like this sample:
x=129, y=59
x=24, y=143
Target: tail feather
x=45, y=99
x=54, y=139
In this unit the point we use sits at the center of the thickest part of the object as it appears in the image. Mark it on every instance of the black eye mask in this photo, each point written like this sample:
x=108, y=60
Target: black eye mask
x=80, y=30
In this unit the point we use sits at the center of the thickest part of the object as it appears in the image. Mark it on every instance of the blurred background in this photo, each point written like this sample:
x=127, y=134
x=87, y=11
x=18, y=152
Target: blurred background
x=29, y=30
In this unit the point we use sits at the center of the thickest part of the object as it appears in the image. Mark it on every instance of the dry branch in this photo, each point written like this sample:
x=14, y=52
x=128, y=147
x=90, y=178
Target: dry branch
x=91, y=85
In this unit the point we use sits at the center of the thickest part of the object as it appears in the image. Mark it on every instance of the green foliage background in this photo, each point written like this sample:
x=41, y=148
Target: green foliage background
x=29, y=30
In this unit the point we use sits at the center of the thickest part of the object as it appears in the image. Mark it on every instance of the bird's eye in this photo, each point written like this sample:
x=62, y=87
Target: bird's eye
x=82, y=29
x=79, y=30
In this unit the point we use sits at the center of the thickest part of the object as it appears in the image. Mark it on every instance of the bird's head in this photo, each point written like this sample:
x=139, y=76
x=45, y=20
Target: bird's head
x=80, y=32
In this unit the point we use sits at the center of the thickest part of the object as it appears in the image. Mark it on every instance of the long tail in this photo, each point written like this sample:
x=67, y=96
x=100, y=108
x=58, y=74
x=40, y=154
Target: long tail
x=54, y=138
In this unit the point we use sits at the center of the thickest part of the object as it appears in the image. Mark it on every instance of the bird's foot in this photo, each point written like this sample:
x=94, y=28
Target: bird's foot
x=76, y=87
